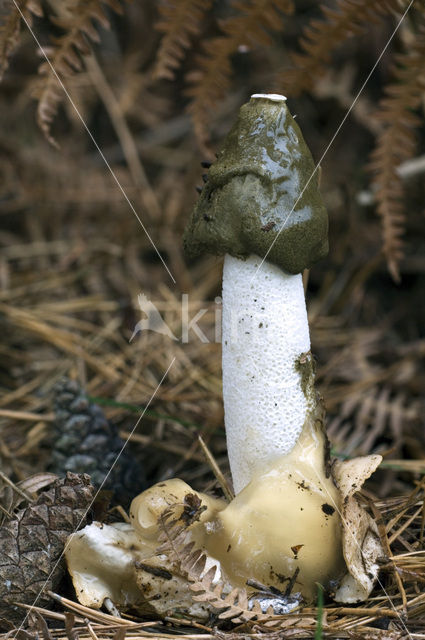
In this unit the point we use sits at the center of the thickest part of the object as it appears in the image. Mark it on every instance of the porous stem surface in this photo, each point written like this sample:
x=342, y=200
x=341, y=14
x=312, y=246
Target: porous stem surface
x=265, y=331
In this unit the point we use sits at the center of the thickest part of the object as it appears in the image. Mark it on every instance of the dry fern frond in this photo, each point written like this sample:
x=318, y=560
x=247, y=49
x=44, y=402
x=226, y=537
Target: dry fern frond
x=173, y=533
x=10, y=30
x=396, y=143
x=234, y=606
x=65, y=56
x=368, y=417
x=179, y=20
x=250, y=27
x=201, y=571
x=321, y=37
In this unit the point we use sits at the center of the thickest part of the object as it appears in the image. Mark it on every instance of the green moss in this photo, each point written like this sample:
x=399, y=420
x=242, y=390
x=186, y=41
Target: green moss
x=259, y=195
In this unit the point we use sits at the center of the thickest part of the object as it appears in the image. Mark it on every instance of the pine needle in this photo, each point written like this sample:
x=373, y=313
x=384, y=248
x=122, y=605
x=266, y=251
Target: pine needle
x=228, y=493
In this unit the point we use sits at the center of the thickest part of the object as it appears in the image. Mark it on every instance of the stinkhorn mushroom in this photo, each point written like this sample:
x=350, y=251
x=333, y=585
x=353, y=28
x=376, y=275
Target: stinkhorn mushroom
x=261, y=207
x=261, y=198
x=294, y=519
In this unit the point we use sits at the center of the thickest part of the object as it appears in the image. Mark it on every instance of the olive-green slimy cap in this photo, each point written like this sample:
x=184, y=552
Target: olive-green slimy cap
x=261, y=194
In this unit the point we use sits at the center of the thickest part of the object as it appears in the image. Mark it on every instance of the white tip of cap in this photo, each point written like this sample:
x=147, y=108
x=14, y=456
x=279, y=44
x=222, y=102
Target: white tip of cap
x=275, y=97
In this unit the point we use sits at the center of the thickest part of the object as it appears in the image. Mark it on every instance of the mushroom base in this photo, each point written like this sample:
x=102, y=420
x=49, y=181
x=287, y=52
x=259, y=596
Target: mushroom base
x=290, y=528
x=284, y=523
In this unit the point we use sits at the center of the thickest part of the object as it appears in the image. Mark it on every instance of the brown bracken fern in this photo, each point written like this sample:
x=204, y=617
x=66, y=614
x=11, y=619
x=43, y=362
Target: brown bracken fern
x=10, y=31
x=179, y=21
x=232, y=604
x=65, y=58
x=320, y=38
x=396, y=143
x=249, y=27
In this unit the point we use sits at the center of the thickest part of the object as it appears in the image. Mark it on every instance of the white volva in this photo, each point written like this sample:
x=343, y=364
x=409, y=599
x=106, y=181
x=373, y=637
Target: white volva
x=265, y=330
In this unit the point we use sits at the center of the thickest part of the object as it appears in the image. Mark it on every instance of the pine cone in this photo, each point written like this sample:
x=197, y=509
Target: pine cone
x=85, y=442
x=33, y=541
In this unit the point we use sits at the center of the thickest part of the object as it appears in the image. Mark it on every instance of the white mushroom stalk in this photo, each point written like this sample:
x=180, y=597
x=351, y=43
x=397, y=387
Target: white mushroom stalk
x=264, y=332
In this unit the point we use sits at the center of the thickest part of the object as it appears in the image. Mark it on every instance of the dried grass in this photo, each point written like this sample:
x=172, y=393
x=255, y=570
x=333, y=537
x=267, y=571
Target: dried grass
x=74, y=259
